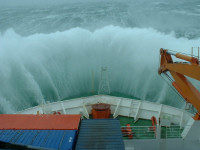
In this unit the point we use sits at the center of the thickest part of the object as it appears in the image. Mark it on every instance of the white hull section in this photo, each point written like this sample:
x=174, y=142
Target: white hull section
x=119, y=106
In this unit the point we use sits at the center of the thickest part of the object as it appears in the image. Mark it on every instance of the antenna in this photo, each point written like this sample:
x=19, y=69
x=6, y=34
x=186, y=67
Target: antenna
x=92, y=83
x=104, y=87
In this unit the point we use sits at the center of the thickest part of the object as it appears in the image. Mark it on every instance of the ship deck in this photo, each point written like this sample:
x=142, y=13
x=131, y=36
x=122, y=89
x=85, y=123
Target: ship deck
x=173, y=126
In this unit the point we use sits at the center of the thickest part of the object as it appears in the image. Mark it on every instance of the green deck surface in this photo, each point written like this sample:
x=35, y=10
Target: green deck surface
x=141, y=128
x=148, y=132
x=171, y=132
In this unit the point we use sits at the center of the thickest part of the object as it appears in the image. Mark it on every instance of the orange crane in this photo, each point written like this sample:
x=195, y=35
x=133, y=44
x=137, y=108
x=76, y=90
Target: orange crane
x=178, y=71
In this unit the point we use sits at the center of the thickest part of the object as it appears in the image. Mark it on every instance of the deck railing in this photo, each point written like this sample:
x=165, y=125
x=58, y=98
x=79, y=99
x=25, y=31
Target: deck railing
x=139, y=132
x=151, y=132
x=171, y=132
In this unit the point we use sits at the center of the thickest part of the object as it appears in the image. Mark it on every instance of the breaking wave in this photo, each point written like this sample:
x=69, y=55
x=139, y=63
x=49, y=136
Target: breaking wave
x=55, y=66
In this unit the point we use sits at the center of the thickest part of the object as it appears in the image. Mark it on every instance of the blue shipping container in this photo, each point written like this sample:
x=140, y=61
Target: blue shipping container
x=51, y=139
x=102, y=134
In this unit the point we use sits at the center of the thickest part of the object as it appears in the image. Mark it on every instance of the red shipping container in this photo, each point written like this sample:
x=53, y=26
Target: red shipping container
x=39, y=122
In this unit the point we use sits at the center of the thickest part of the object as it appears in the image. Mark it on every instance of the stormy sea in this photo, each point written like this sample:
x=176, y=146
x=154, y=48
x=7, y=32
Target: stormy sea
x=54, y=50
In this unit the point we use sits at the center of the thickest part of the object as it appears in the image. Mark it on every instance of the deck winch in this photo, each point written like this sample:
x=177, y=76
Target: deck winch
x=101, y=111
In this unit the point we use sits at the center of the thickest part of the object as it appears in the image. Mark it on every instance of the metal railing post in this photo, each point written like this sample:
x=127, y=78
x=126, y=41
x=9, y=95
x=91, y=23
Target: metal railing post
x=158, y=131
x=192, y=52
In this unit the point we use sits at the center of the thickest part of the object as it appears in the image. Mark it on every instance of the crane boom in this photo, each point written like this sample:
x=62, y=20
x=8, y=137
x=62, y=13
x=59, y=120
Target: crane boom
x=179, y=71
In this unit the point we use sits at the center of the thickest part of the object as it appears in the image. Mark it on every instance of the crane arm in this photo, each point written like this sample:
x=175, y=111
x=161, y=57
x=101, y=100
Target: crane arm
x=178, y=72
x=189, y=70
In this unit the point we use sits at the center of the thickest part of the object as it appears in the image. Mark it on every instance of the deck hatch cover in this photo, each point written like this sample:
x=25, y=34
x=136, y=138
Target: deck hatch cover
x=100, y=134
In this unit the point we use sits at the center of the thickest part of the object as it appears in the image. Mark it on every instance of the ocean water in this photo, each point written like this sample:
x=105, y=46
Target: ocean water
x=50, y=50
